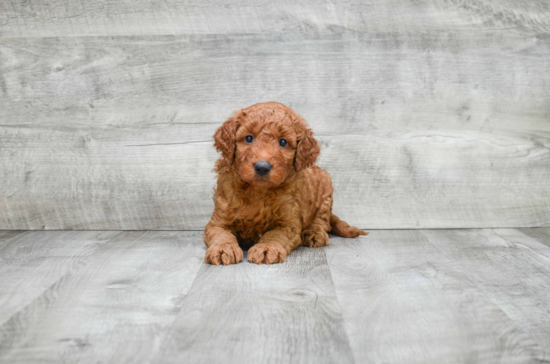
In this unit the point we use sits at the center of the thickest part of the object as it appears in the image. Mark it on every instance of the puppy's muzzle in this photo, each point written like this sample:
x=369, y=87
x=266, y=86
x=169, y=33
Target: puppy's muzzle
x=262, y=167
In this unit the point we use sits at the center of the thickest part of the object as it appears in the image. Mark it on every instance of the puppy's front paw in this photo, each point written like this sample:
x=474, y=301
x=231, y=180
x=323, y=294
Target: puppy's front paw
x=268, y=253
x=226, y=253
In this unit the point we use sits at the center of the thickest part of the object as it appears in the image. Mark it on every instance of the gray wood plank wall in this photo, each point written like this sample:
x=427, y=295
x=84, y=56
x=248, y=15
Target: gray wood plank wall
x=431, y=114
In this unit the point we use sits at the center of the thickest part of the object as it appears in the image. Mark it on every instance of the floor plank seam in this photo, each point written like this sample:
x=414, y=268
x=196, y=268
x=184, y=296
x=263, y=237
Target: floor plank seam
x=156, y=355
x=340, y=307
x=83, y=264
x=70, y=272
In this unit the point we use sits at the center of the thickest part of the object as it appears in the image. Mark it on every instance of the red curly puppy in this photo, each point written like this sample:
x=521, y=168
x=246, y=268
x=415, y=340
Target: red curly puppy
x=270, y=193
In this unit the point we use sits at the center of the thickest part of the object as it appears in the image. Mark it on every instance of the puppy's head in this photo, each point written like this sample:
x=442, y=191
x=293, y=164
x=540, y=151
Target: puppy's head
x=266, y=143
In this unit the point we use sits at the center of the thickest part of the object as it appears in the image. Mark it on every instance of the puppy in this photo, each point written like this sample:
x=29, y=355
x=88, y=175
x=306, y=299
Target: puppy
x=269, y=195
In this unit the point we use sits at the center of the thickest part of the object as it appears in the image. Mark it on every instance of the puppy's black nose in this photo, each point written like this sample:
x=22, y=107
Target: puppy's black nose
x=262, y=167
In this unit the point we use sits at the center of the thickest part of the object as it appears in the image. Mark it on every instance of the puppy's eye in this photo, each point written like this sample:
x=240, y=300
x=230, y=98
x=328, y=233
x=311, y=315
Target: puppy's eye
x=283, y=143
x=249, y=139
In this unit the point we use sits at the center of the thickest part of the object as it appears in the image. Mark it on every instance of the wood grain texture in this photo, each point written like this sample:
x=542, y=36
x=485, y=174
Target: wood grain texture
x=419, y=130
x=116, y=308
x=33, y=261
x=414, y=296
x=87, y=18
x=403, y=300
x=512, y=269
x=248, y=313
x=542, y=235
x=7, y=235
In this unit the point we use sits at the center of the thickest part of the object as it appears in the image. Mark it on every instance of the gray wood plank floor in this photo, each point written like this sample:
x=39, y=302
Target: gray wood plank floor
x=395, y=296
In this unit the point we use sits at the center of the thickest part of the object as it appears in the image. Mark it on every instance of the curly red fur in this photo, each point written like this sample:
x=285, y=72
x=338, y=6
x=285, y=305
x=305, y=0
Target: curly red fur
x=275, y=213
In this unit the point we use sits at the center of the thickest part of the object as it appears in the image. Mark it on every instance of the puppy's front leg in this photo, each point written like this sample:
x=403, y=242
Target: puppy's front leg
x=275, y=245
x=223, y=247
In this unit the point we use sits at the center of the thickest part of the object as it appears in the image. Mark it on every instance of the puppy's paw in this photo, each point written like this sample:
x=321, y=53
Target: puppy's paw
x=226, y=253
x=314, y=238
x=268, y=253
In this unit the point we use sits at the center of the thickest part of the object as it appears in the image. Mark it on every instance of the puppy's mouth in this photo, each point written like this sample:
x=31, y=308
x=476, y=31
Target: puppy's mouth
x=270, y=180
x=262, y=180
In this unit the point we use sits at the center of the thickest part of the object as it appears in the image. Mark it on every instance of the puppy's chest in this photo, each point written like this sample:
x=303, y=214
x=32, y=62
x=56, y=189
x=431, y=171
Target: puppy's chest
x=254, y=218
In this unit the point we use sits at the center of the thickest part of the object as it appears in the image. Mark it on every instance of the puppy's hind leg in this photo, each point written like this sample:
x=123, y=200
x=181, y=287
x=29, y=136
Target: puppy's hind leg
x=315, y=235
x=342, y=228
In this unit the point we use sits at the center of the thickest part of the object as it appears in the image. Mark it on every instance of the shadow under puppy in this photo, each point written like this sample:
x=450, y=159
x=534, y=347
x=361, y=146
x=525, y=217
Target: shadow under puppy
x=269, y=194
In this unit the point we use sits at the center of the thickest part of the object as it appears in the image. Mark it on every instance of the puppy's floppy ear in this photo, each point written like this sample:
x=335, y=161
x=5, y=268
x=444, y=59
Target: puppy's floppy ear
x=224, y=138
x=307, y=149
